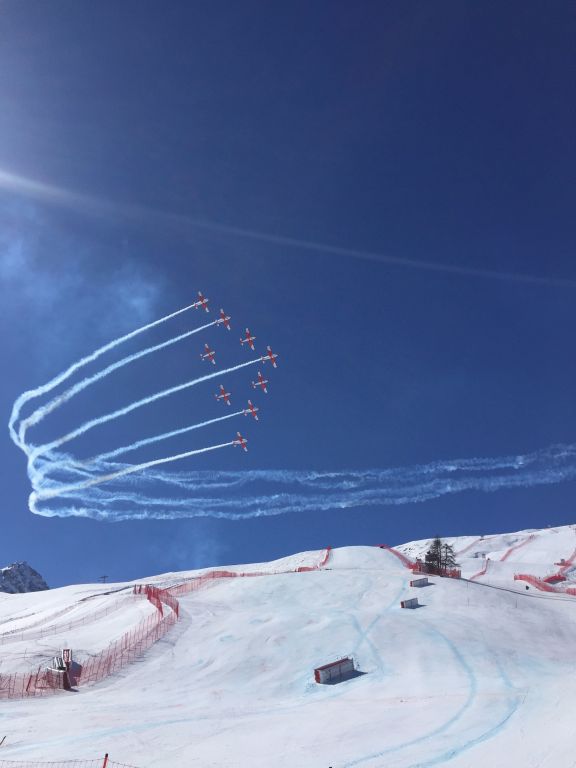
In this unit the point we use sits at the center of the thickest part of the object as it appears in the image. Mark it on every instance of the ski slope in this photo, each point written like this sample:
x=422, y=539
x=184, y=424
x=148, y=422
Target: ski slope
x=482, y=675
x=538, y=552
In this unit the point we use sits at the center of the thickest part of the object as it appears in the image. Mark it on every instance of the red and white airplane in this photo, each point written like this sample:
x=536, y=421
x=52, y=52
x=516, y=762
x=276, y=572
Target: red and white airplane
x=202, y=303
x=251, y=410
x=209, y=354
x=260, y=383
x=241, y=441
x=223, y=395
x=224, y=319
x=249, y=339
x=269, y=356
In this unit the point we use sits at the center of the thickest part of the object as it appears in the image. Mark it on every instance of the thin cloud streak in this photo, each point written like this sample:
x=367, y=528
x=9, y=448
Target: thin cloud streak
x=99, y=207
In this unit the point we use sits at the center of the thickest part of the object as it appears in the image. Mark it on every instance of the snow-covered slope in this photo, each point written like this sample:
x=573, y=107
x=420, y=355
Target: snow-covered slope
x=481, y=675
x=20, y=577
x=537, y=552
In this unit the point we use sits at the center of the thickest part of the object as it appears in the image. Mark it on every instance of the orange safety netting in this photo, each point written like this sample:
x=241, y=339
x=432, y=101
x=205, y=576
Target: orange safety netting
x=34, y=632
x=403, y=559
x=509, y=551
x=131, y=645
x=99, y=762
x=543, y=585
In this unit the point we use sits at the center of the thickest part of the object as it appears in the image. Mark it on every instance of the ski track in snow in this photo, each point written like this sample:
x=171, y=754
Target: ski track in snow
x=472, y=677
x=466, y=643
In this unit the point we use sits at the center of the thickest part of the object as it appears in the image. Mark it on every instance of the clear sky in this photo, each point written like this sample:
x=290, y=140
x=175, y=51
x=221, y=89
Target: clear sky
x=147, y=150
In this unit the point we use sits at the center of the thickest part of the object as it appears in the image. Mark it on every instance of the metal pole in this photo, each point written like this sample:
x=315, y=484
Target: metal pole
x=105, y=763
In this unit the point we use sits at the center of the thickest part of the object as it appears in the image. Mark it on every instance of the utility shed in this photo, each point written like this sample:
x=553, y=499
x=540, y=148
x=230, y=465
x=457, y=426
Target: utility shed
x=335, y=671
x=420, y=582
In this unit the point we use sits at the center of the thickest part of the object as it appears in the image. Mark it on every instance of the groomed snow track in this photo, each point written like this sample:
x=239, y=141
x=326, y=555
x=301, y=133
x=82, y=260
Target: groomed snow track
x=480, y=675
x=126, y=649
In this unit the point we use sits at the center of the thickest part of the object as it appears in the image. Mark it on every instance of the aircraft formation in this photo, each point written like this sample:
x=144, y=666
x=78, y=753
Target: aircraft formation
x=210, y=355
x=56, y=474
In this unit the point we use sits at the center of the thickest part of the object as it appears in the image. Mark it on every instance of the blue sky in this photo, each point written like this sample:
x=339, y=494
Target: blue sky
x=415, y=133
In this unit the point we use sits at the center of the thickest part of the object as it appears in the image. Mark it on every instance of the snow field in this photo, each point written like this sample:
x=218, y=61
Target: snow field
x=535, y=552
x=480, y=675
x=21, y=653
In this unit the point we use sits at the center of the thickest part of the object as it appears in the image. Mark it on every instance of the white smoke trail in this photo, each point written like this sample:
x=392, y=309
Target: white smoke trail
x=48, y=494
x=267, y=493
x=104, y=489
x=40, y=413
x=95, y=461
x=58, y=474
x=88, y=425
x=50, y=385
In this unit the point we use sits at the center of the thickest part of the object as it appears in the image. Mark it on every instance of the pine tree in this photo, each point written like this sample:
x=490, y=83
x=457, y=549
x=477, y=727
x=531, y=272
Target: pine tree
x=440, y=557
x=448, y=559
x=433, y=557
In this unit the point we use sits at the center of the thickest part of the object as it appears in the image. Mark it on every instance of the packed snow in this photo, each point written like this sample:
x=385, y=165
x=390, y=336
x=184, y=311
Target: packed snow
x=481, y=675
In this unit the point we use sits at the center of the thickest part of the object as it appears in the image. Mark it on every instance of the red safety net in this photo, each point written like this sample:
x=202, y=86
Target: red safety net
x=129, y=646
x=548, y=583
x=509, y=551
x=125, y=650
x=567, y=564
x=543, y=585
x=35, y=632
x=38, y=683
x=556, y=578
x=472, y=544
x=482, y=572
x=403, y=559
x=321, y=564
x=536, y=582
x=212, y=577
x=420, y=567
x=99, y=762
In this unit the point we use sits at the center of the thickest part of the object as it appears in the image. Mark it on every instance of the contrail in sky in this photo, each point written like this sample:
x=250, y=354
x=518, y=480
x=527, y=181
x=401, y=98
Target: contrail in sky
x=48, y=494
x=95, y=206
x=83, y=476
x=88, y=425
x=40, y=413
x=267, y=493
x=49, y=386
x=97, y=460
x=105, y=489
